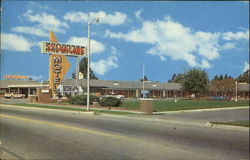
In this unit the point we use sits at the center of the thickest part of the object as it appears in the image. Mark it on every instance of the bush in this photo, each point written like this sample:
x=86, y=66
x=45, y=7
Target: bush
x=110, y=101
x=82, y=99
x=68, y=95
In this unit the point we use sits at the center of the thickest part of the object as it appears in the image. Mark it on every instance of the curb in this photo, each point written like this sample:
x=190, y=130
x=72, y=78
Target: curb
x=48, y=109
x=201, y=110
x=228, y=127
x=181, y=122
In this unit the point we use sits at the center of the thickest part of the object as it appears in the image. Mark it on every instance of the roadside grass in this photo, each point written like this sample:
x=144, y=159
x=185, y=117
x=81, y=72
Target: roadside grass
x=50, y=107
x=170, y=105
x=234, y=123
x=130, y=104
x=192, y=104
x=158, y=106
x=73, y=109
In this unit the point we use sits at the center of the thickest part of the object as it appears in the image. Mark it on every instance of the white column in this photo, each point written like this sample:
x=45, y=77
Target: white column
x=164, y=93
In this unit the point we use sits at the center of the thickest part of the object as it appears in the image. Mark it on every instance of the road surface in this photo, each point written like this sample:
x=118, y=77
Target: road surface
x=44, y=134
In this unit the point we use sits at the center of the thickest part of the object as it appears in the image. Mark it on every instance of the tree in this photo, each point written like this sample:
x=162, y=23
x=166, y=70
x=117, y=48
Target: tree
x=244, y=77
x=176, y=78
x=215, y=78
x=73, y=76
x=221, y=77
x=84, y=69
x=195, y=81
x=225, y=85
x=145, y=79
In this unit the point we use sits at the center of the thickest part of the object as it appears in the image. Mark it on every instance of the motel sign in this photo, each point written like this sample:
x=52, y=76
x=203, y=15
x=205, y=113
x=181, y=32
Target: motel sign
x=58, y=62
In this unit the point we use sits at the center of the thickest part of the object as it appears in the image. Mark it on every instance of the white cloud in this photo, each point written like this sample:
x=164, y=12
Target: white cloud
x=30, y=30
x=236, y=36
x=245, y=67
x=138, y=15
x=104, y=65
x=15, y=42
x=205, y=64
x=95, y=46
x=228, y=46
x=34, y=4
x=46, y=21
x=171, y=39
x=114, y=19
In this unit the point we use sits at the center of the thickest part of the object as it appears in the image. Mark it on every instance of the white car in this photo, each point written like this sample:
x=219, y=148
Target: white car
x=115, y=95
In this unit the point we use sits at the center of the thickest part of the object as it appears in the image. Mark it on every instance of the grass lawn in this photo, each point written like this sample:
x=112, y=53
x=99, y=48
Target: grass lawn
x=192, y=104
x=170, y=105
x=130, y=104
x=167, y=105
x=72, y=108
x=50, y=107
x=234, y=123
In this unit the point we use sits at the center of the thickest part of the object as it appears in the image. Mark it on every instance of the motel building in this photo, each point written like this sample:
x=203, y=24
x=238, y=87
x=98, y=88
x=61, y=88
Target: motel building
x=129, y=89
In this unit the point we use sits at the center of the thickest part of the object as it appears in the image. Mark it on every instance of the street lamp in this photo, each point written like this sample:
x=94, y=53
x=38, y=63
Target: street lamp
x=236, y=99
x=88, y=77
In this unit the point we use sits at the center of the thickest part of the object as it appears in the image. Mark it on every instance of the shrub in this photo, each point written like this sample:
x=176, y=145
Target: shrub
x=59, y=95
x=82, y=99
x=68, y=95
x=110, y=101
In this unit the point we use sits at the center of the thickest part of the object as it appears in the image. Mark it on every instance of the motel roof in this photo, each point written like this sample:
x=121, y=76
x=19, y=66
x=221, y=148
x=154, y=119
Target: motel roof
x=126, y=84
x=109, y=84
x=18, y=83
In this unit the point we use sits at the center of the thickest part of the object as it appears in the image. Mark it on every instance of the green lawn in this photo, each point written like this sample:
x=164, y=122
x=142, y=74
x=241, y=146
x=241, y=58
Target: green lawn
x=170, y=105
x=72, y=108
x=50, y=107
x=130, y=104
x=192, y=104
x=167, y=105
x=234, y=123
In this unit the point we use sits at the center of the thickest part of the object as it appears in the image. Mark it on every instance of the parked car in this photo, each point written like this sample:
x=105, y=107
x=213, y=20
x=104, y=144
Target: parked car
x=219, y=98
x=14, y=95
x=114, y=95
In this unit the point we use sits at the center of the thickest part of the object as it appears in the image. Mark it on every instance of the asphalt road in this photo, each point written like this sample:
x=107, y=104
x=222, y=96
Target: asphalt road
x=43, y=134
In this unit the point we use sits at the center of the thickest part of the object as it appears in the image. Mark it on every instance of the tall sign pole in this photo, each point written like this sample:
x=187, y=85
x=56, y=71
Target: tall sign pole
x=88, y=77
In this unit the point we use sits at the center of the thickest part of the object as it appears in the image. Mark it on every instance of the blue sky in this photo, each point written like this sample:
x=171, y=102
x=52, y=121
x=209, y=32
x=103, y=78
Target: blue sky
x=167, y=37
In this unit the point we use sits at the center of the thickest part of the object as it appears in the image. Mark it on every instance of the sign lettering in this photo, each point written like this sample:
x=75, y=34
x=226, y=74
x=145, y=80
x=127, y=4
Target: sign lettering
x=62, y=49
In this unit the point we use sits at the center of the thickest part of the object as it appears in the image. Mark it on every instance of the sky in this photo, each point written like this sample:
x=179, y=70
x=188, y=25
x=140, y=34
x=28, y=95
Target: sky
x=168, y=37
